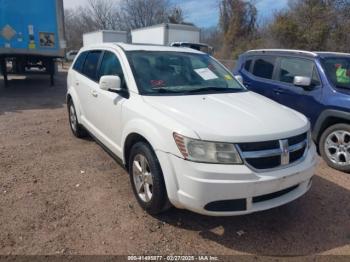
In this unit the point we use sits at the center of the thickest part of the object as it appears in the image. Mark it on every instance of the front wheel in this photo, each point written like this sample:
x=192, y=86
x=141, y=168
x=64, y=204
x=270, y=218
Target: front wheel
x=147, y=179
x=335, y=146
x=77, y=129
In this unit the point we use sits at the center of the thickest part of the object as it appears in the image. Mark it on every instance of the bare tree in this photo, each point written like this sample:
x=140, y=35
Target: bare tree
x=141, y=13
x=176, y=16
x=118, y=15
x=238, y=24
x=105, y=14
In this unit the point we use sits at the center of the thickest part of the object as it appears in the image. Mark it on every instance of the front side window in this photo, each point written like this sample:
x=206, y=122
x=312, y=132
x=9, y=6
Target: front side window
x=90, y=65
x=110, y=65
x=78, y=65
x=338, y=71
x=292, y=67
x=264, y=67
x=164, y=73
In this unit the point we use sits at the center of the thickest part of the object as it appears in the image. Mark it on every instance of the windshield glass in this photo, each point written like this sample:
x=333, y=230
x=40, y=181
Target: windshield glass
x=338, y=71
x=165, y=73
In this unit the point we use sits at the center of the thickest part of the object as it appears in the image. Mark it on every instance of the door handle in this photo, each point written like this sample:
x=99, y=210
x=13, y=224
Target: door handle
x=94, y=93
x=76, y=83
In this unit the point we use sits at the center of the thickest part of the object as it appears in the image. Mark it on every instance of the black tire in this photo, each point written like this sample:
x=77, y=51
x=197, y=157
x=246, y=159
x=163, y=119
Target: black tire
x=158, y=202
x=77, y=129
x=343, y=165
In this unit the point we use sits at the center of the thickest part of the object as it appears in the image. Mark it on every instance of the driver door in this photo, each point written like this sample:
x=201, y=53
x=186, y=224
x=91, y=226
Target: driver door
x=108, y=105
x=303, y=99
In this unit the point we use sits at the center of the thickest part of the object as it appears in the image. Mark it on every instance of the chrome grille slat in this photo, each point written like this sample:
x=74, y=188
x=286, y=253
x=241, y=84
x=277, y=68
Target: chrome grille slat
x=262, y=153
x=278, y=157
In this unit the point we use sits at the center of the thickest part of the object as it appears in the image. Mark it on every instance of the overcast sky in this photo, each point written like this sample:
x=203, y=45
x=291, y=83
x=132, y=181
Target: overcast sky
x=204, y=13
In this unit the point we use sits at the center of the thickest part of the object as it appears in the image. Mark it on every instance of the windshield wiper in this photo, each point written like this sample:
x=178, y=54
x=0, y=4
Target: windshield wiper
x=164, y=90
x=210, y=89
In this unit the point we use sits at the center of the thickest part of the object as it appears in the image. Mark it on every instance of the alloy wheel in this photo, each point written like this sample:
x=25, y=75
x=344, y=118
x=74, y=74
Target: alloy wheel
x=337, y=145
x=142, y=178
x=73, y=118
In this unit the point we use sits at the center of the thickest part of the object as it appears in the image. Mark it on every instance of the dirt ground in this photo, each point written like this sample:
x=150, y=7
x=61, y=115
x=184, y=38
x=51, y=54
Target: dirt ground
x=62, y=195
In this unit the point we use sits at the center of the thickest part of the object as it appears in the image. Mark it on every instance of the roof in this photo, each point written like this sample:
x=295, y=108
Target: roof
x=283, y=51
x=170, y=26
x=297, y=52
x=106, y=31
x=331, y=54
x=191, y=43
x=137, y=47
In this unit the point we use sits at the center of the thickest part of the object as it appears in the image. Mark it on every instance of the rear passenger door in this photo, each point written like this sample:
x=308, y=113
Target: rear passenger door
x=88, y=86
x=303, y=99
x=258, y=73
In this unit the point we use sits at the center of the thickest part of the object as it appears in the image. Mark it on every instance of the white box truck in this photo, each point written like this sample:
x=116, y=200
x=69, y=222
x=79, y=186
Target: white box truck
x=104, y=36
x=165, y=34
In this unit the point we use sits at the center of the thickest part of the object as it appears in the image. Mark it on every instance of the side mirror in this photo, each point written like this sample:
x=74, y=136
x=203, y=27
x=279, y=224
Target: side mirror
x=239, y=78
x=110, y=83
x=302, y=81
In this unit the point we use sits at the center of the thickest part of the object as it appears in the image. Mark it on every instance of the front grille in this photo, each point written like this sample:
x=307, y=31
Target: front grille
x=265, y=162
x=274, y=153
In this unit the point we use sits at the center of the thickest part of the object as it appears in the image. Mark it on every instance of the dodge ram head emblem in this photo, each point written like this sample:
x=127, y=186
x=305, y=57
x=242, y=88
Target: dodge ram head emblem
x=285, y=152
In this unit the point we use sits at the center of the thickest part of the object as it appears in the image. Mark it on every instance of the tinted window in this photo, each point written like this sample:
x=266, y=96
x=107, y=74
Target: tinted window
x=110, y=65
x=264, y=66
x=338, y=71
x=247, y=64
x=78, y=65
x=291, y=67
x=91, y=63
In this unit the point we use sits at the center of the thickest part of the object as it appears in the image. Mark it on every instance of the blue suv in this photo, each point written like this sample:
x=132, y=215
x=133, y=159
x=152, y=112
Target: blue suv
x=316, y=84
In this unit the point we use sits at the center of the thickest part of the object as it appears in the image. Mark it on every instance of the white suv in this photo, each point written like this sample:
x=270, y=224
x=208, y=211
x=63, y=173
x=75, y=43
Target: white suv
x=188, y=133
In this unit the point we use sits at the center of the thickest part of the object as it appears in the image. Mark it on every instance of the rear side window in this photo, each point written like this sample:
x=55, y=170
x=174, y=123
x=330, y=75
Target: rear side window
x=292, y=67
x=78, y=65
x=264, y=67
x=91, y=64
x=247, y=65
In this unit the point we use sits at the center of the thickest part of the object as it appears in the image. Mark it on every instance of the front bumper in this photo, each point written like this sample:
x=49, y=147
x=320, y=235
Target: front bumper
x=226, y=190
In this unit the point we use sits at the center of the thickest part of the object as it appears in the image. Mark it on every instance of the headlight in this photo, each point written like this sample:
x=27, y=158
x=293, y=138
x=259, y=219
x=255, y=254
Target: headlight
x=207, y=152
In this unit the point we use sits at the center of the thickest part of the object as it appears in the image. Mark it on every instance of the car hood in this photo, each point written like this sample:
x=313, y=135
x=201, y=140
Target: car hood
x=233, y=117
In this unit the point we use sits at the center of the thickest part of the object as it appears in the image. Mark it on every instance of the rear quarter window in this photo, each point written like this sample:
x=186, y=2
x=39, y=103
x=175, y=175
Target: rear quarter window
x=79, y=62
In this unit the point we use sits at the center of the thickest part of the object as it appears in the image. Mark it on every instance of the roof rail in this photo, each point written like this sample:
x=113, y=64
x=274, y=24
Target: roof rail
x=335, y=53
x=283, y=51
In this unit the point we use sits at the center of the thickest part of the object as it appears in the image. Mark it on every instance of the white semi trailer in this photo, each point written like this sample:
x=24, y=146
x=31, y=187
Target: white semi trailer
x=166, y=34
x=104, y=36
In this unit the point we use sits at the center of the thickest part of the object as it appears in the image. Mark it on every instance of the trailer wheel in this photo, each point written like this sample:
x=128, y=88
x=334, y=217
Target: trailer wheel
x=50, y=68
x=4, y=71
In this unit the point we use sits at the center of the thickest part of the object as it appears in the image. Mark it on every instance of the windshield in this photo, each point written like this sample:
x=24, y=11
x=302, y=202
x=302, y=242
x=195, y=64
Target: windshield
x=338, y=71
x=176, y=73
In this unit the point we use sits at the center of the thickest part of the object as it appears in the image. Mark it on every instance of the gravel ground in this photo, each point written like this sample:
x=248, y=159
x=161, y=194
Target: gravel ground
x=62, y=195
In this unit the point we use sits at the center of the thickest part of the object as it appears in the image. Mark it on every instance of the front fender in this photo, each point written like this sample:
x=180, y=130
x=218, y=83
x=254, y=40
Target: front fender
x=162, y=142
x=76, y=101
x=155, y=136
x=326, y=114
